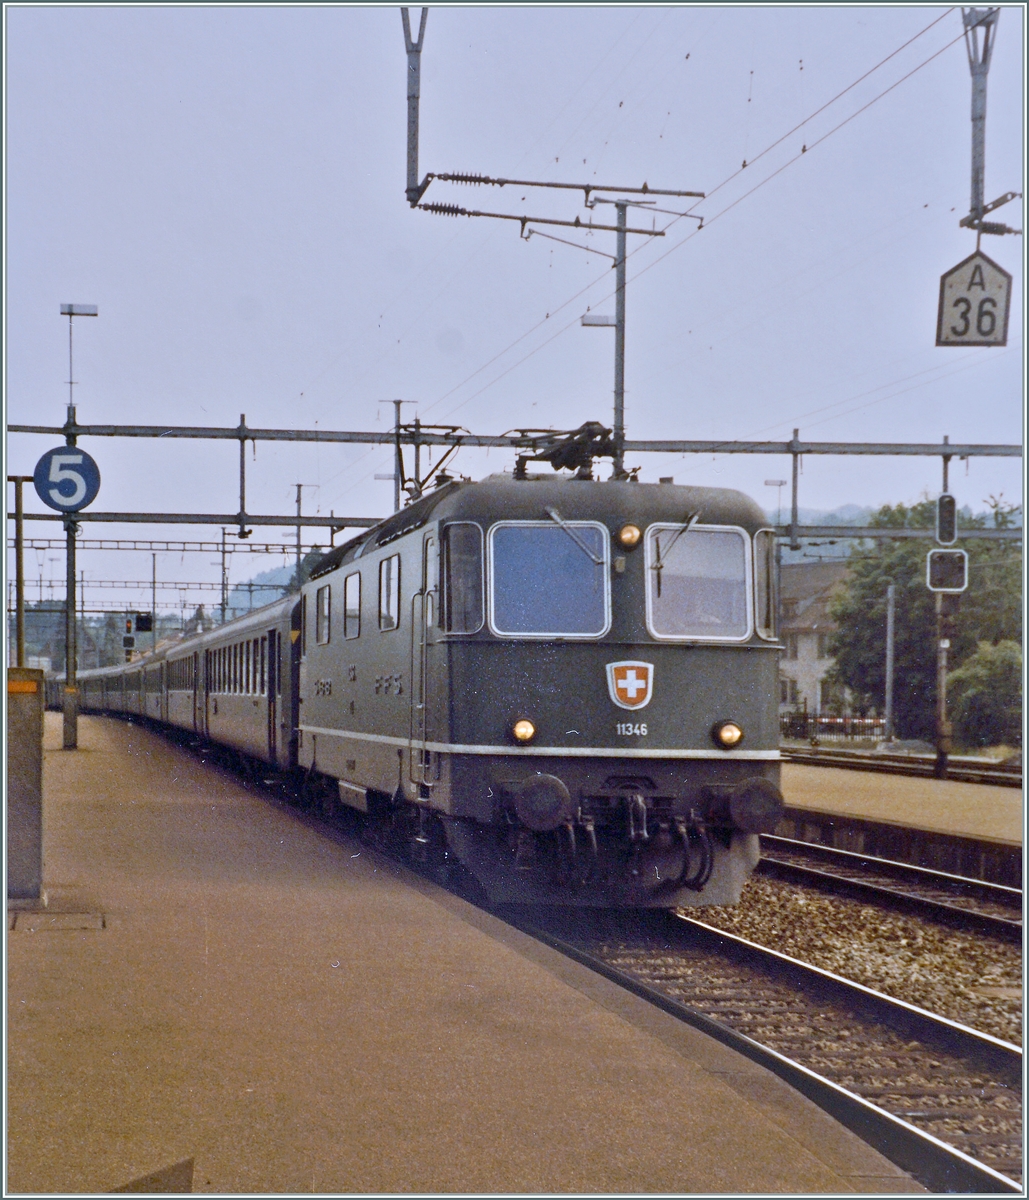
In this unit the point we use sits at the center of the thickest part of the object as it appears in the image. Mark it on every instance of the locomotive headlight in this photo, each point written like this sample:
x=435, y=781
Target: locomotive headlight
x=727, y=734
x=523, y=730
x=629, y=535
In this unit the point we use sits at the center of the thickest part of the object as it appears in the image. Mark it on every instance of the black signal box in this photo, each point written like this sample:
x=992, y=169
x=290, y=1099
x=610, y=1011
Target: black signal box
x=128, y=641
x=144, y=622
x=946, y=520
x=946, y=571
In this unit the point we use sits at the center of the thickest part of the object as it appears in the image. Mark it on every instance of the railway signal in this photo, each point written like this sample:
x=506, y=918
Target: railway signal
x=946, y=520
x=946, y=571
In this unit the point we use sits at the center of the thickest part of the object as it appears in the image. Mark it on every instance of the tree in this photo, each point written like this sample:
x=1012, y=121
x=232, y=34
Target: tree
x=985, y=696
x=990, y=611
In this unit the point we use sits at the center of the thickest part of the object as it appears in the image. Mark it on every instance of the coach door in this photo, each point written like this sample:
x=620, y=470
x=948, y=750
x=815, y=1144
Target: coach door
x=271, y=682
x=424, y=765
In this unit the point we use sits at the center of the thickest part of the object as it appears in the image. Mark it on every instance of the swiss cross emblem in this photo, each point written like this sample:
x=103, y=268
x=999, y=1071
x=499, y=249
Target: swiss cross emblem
x=630, y=683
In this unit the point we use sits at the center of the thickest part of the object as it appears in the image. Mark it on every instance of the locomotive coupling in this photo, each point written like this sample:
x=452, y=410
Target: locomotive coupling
x=543, y=803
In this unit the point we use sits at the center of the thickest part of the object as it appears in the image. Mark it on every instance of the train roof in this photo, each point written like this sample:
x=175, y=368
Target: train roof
x=504, y=497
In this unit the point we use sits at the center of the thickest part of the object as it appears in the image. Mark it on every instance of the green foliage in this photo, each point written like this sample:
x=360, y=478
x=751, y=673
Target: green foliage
x=985, y=696
x=990, y=611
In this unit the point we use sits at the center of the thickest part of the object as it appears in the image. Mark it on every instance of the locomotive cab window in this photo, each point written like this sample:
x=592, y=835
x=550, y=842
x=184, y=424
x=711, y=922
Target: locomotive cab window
x=765, y=583
x=389, y=592
x=549, y=579
x=462, y=578
x=323, y=615
x=698, y=582
x=352, y=607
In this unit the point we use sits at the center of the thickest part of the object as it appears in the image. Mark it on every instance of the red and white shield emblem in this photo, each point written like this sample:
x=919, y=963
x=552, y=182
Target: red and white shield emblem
x=630, y=683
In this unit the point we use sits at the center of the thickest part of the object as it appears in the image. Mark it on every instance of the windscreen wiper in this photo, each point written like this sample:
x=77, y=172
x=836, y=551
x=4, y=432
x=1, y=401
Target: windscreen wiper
x=659, y=562
x=555, y=516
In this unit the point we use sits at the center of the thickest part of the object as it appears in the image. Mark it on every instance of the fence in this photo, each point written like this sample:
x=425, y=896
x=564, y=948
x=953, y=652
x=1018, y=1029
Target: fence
x=803, y=726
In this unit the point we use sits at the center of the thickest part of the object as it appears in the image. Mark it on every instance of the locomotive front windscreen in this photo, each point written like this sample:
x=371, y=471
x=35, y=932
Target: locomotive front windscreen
x=697, y=582
x=549, y=579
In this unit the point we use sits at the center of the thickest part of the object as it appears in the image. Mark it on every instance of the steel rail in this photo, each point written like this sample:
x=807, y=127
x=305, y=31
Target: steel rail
x=1007, y=927
x=423, y=437
x=942, y=1166
x=999, y=893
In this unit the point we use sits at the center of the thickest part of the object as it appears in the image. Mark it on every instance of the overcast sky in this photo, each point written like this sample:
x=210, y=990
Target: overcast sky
x=227, y=184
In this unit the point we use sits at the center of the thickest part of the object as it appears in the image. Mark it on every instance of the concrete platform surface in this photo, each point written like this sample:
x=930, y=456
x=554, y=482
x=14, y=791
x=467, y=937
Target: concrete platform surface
x=216, y=979
x=972, y=810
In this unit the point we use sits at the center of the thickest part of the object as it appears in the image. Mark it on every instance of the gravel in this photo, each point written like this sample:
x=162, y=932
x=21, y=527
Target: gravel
x=974, y=979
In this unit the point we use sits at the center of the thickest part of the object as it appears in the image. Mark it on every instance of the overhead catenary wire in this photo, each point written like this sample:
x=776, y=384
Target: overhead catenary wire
x=693, y=233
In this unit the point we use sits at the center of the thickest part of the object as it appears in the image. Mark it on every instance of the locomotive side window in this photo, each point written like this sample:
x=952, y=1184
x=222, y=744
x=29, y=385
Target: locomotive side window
x=323, y=615
x=389, y=592
x=462, y=578
x=549, y=579
x=765, y=583
x=698, y=577
x=352, y=607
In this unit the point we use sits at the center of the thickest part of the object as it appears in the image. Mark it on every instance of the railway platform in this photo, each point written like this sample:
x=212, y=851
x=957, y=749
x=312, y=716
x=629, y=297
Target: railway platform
x=968, y=829
x=218, y=985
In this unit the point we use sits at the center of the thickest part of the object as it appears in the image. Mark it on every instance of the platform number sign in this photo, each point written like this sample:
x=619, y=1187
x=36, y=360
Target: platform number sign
x=975, y=297
x=67, y=479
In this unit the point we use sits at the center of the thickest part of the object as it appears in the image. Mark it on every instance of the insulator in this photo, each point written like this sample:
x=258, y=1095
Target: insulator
x=466, y=177
x=444, y=210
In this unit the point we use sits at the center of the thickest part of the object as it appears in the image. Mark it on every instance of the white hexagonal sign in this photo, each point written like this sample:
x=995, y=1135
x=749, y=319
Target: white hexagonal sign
x=975, y=297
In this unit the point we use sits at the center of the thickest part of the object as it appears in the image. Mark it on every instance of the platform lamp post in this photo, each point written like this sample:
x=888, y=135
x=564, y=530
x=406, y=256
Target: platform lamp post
x=71, y=692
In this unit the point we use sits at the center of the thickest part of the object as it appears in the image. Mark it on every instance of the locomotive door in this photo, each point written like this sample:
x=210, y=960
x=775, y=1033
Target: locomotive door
x=423, y=766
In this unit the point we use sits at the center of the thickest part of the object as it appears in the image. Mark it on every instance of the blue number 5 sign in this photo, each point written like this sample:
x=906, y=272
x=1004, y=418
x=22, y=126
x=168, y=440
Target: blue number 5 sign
x=67, y=479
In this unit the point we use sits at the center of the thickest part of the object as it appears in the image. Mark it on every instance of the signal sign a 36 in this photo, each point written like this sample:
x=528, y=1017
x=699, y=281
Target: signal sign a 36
x=66, y=478
x=975, y=297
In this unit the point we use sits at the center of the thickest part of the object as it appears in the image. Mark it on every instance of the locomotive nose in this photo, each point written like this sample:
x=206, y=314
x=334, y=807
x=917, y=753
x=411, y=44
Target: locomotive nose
x=542, y=803
x=756, y=805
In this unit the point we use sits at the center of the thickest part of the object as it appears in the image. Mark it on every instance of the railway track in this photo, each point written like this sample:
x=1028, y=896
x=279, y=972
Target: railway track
x=939, y=1099
x=968, y=903
x=906, y=764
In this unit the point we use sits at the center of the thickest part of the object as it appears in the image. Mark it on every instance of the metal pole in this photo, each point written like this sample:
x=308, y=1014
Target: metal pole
x=397, y=462
x=891, y=596
x=242, y=475
x=942, y=724
x=794, y=543
x=153, y=602
x=300, y=488
x=225, y=581
x=619, y=431
x=414, y=70
x=71, y=697
x=71, y=376
x=979, y=65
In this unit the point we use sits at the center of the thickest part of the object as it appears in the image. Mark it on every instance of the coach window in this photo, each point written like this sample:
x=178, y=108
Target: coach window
x=697, y=582
x=389, y=592
x=764, y=583
x=462, y=578
x=352, y=607
x=264, y=664
x=549, y=578
x=323, y=615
